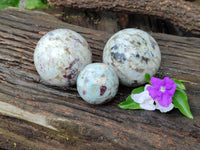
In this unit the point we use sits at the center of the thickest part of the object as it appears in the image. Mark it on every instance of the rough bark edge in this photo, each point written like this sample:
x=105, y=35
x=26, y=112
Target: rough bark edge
x=184, y=15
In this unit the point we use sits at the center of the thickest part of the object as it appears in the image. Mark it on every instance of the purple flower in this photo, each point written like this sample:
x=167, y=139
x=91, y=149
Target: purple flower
x=162, y=90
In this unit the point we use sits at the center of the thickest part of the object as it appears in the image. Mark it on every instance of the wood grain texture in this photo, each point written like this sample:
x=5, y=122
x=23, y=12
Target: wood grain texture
x=47, y=117
x=184, y=15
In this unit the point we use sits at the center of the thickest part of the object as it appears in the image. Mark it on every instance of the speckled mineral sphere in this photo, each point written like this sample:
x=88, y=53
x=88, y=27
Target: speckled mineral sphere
x=97, y=83
x=60, y=55
x=132, y=53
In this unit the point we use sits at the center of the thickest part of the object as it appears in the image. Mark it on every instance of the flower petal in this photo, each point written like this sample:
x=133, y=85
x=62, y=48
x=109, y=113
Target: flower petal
x=159, y=93
x=136, y=98
x=164, y=109
x=172, y=90
x=168, y=86
x=169, y=81
x=156, y=82
x=140, y=98
x=148, y=104
x=146, y=86
x=152, y=92
x=165, y=99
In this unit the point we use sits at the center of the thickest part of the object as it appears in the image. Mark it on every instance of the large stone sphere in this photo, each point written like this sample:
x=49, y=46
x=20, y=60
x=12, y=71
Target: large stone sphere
x=132, y=53
x=60, y=55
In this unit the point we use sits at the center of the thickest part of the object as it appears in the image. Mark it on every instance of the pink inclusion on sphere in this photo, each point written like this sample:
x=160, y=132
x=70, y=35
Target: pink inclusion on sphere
x=84, y=92
x=102, y=90
x=76, y=39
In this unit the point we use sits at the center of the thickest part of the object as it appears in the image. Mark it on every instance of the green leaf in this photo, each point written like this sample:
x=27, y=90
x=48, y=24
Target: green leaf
x=180, y=101
x=179, y=84
x=147, y=77
x=32, y=4
x=138, y=90
x=184, y=81
x=129, y=104
x=8, y=3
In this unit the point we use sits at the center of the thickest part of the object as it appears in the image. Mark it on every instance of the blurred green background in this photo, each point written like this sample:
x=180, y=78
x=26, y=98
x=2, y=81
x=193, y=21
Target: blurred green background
x=28, y=4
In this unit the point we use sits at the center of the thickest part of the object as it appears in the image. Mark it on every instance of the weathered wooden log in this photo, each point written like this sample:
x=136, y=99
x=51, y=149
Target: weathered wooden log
x=47, y=117
x=181, y=14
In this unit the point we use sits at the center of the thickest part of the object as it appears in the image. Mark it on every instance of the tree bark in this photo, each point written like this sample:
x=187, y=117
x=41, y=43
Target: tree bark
x=181, y=14
x=47, y=117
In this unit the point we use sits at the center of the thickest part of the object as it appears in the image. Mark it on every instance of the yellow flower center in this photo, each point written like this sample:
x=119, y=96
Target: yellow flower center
x=162, y=89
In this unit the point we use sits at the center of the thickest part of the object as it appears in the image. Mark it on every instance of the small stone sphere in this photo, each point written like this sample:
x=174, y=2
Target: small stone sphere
x=60, y=55
x=97, y=83
x=132, y=53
